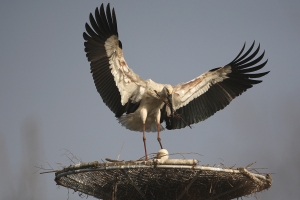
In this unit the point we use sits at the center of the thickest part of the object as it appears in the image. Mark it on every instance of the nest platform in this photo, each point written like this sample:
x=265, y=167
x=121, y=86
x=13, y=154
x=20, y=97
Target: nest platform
x=160, y=178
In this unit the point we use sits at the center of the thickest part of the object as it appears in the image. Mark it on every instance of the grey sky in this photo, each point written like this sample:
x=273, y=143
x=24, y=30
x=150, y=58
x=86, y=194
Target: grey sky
x=48, y=101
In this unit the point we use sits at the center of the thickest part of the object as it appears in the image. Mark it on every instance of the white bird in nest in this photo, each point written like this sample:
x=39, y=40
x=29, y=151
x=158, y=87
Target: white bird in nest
x=147, y=104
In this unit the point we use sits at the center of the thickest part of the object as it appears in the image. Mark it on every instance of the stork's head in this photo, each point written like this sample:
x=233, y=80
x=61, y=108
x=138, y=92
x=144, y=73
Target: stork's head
x=167, y=91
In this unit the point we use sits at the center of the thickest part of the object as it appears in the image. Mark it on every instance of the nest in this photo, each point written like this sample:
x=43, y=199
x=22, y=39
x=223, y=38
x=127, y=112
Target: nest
x=160, y=179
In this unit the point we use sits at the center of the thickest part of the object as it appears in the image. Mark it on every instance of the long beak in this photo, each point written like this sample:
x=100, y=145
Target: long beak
x=169, y=97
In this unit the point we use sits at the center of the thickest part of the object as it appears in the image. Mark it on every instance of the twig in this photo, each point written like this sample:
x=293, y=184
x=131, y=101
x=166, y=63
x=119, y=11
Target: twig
x=40, y=167
x=120, y=151
x=67, y=153
x=181, y=153
x=250, y=164
x=112, y=160
x=49, y=172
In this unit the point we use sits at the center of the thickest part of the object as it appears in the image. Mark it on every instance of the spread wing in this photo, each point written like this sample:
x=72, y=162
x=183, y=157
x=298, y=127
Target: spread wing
x=120, y=88
x=203, y=96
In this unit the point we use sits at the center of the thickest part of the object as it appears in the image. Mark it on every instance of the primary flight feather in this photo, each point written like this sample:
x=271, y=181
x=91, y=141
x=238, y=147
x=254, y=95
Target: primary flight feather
x=142, y=105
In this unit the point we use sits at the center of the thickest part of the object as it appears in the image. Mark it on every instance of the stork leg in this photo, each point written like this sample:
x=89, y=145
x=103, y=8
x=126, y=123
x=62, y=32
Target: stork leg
x=144, y=140
x=158, y=128
x=158, y=135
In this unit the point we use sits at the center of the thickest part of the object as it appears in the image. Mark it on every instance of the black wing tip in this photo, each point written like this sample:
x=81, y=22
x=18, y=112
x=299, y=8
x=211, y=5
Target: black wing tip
x=107, y=7
x=249, y=58
x=102, y=6
x=105, y=14
x=265, y=73
x=240, y=56
x=246, y=65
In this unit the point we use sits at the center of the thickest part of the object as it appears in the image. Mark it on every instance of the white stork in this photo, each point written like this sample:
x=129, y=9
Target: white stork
x=146, y=103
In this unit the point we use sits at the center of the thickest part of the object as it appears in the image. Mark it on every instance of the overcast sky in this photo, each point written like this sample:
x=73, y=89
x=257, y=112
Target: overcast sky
x=48, y=101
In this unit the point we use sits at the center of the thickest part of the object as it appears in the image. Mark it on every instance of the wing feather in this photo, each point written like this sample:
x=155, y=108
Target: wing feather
x=240, y=53
x=237, y=60
x=252, y=62
x=246, y=60
x=120, y=88
x=203, y=96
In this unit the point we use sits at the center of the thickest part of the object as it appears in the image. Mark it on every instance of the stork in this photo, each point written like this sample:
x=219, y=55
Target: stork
x=142, y=105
